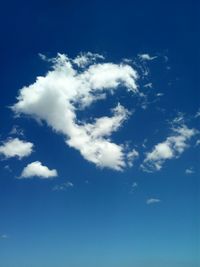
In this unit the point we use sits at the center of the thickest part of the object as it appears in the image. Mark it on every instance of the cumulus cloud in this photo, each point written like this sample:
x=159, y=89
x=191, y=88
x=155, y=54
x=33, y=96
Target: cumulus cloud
x=172, y=147
x=152, y=201
x=71, y=86
x=36, y=169
x=14, y=147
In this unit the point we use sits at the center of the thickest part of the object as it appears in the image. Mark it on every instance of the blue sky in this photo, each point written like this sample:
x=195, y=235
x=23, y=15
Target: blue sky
x=99, y=153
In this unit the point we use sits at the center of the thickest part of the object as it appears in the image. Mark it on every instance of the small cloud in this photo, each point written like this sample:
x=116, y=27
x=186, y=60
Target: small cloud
x=159, y=94
x=14, y=147
x=7, y=167
x=133, y=187
x=152, y=201
x=189, y=171
x=146, y=57
x=197, y=143
x=36, y=169
x=197, y=115
x=131, y=157
x=16, y=130
x=63, y=186
x=43, y=57
x=148, y=85
x=144, y=143
x=127, y=60
x=173, y=146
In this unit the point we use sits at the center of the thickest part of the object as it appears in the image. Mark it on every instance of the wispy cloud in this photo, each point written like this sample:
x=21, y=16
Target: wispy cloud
x=197, y=115
x=197, y=142
x=146, y=57
x=16, y=130
x=63, y=186
x=152, y=201
x=189, y=171
x=8, y=168
x=131, y=157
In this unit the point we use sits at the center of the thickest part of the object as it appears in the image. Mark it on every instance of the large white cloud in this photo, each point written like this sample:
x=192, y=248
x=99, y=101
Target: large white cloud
x=37, y=169
x=172, y=147
x=73, y=85
x=14, y=147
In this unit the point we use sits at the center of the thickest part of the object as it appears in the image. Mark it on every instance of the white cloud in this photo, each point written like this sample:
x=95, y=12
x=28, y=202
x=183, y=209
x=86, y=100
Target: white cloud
x=148, y=85
x=147, y=57
x=172, y=147
x=56, y=97
x=131, y=157
x=36, y=169
x=14, y=147
x=159, y=94
x=189, y=171
x=63, y=186
x=152, y=201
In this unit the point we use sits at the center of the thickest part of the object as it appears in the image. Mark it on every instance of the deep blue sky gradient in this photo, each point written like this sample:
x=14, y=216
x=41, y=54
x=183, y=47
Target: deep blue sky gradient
x=100, y=223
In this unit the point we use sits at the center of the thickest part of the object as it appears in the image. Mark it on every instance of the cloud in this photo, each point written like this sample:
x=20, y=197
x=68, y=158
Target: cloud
x=197, y=143
x=152, y=201
x=131, y=157
x=14, y=147
x=171, y=148
x=159, y=94
x=133, y=187
x=71, y=87
x=36, y=169
x=197, y=115
x=85, y=59
x=146, y=57
x=148, y=85
x=7, y=167
x=16, y=130
x=63, y=186
x=189, y=171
